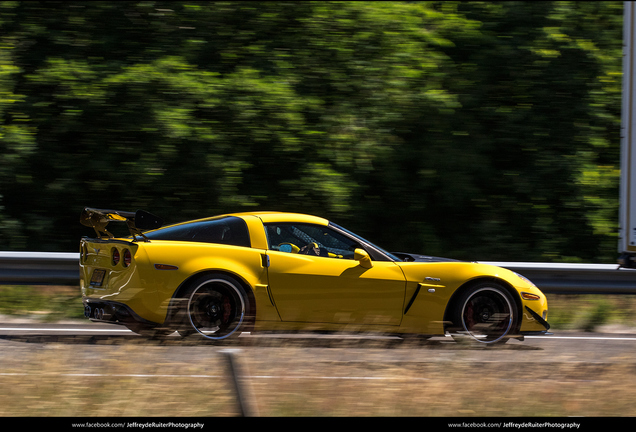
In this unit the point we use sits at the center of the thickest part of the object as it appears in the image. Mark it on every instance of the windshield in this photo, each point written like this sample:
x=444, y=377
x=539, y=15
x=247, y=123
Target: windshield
x=367, y=242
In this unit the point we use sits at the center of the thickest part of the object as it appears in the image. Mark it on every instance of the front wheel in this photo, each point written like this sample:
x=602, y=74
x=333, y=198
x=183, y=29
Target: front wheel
x=486, y=313
x=217, y=307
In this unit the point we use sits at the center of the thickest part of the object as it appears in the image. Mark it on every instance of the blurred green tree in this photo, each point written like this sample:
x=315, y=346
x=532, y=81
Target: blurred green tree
x=476, y=129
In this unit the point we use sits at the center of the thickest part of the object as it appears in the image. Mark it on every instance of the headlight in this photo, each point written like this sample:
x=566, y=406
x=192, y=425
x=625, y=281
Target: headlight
x=526, y=279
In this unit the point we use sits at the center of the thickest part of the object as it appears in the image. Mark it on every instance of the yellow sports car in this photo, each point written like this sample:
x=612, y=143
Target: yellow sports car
x=220, y=276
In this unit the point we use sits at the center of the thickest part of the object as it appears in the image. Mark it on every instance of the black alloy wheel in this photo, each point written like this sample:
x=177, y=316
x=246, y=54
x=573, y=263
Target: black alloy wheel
x=217, y=307
x=486, y=313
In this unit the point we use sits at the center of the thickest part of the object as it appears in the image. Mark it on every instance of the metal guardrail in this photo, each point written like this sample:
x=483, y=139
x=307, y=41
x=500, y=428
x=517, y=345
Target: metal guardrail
x=39, y=268
x=59, y=268
x=556, y=278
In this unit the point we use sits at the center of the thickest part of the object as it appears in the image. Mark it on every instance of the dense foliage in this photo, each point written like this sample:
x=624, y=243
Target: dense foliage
x=478, y=130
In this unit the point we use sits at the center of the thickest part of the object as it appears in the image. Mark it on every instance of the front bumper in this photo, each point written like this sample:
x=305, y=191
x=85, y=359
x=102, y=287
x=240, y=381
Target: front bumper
x=538, y=318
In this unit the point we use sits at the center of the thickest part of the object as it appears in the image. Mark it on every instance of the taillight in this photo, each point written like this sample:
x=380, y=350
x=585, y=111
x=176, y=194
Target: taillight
x=127, y=258
x=116, y=256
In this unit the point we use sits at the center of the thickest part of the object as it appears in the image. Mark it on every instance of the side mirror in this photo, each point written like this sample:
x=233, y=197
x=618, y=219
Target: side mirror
x=363, y=257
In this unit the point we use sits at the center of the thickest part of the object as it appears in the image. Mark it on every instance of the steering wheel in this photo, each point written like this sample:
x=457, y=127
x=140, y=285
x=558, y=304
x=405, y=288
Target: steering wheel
x=313, y=249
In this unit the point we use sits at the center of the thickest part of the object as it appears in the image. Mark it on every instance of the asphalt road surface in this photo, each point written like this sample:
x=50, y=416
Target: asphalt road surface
x=595, y=370
x=564, y=346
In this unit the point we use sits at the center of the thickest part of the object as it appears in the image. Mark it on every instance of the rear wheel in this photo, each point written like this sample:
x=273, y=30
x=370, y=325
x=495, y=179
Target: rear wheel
x=217, y=308
x=486, y=313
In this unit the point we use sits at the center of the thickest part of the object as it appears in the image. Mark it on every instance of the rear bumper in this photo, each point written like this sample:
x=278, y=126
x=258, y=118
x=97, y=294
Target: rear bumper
x=113, y=313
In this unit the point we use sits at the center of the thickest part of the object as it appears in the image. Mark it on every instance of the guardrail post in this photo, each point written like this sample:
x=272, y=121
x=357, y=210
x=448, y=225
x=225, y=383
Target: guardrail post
x=246, y=405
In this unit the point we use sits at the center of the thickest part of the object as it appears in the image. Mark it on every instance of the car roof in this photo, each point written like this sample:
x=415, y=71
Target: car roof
x=282, y=217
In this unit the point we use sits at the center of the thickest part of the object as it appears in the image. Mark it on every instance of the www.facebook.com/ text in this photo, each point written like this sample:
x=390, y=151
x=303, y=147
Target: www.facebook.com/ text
x=517, y=425
x=139, y=425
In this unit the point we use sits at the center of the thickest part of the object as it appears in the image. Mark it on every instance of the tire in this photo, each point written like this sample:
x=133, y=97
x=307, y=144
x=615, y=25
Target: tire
x=486, y=313
x=216, y=308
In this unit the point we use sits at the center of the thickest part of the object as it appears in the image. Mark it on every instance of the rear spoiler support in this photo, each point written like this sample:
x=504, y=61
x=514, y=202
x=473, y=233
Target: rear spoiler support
x=140, y=220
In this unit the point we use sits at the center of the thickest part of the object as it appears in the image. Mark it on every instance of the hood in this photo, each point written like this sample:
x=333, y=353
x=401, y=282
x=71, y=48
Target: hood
x=409, y=257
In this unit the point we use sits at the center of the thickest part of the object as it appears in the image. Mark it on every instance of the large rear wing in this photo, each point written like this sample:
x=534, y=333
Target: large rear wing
x=137, y=221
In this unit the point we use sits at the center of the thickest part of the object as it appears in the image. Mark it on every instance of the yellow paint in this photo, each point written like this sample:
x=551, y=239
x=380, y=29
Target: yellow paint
x=295, y=290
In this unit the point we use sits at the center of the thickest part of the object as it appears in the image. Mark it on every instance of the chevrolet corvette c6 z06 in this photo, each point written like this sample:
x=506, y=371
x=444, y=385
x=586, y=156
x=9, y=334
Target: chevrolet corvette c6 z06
x=273, y=271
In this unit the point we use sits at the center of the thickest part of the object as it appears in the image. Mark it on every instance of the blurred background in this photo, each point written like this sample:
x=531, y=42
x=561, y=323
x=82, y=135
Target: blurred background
x=473, y=130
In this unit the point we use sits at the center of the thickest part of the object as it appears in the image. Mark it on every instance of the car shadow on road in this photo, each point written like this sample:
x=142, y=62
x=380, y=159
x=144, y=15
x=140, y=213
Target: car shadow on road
x=273, y=341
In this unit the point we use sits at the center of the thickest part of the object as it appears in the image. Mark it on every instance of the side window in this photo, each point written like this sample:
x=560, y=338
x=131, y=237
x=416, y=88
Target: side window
x=309, y=240
x=227, y=230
